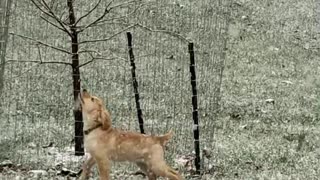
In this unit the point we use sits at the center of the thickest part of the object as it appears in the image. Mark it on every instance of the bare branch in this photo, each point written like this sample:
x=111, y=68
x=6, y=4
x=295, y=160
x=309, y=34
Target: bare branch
x=39, y=52
x=108, y=5
x=88, y=13
x=122, y=4
x=106, y=39
x=39, y=62
x=24, y=72
x=102, y=22
x=89, y=51
x=49, y=62
x=55, y=62
x=46, y=5
x=86, y=63
x=53, y=24
x=55, y=17
x=179, y=36
x=43, y=11
x=93, y=59
x=42, y=43
x=106, y=11
x=125, y=60
x=145, y=55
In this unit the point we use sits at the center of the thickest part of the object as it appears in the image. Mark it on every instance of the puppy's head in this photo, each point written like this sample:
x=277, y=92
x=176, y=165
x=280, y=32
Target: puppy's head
x=89, y=103
x=93, y=108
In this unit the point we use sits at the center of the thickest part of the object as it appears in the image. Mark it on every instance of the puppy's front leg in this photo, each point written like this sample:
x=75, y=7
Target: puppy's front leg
x=86, y=167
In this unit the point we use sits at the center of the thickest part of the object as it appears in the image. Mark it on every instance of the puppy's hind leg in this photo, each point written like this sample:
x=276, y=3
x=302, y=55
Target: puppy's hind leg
x=173, y=174
x=147, y=171
x=161, y=169
x=158, y=166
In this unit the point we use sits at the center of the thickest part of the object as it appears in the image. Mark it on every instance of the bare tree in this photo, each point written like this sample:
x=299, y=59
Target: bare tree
x=72, y=28
x=5, y=6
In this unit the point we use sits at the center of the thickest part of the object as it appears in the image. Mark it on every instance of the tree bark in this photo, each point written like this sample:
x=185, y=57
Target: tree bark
x=79, y=150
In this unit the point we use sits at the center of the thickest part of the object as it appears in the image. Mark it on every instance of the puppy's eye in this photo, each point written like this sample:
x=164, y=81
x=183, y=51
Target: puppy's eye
x=92, y=99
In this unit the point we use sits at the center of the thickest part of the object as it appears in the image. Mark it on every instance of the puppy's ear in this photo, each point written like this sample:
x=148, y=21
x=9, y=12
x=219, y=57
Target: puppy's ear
x=105, y=119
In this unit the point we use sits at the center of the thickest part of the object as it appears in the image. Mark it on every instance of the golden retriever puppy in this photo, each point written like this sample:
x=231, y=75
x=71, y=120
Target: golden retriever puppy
x=105, y=143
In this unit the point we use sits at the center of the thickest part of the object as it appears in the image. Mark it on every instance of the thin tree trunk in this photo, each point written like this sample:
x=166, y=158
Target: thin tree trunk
x=223, y=58
x=76, y=80
x=5, y=7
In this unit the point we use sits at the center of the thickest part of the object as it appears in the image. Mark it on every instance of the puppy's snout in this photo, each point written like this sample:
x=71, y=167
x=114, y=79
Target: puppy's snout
x=77, y=104
x=84, y=93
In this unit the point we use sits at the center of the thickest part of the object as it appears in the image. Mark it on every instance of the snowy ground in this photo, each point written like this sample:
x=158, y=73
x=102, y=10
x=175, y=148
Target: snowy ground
x=62, y=164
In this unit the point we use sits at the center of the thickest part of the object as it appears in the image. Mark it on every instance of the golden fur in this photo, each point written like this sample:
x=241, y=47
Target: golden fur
x=105, y=143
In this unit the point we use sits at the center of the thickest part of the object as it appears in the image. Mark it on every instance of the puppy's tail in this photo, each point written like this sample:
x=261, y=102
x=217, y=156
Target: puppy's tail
x=163, y=139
